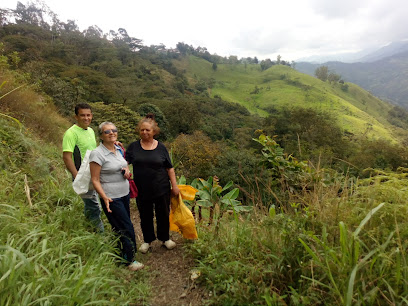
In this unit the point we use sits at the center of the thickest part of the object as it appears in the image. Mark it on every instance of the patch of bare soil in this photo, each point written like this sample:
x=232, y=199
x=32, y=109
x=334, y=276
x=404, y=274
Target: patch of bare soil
x=170, y=271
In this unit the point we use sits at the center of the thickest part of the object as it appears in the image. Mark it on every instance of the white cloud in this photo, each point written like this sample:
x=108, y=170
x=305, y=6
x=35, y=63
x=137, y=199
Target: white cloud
x=339, y=9
x=262, y=28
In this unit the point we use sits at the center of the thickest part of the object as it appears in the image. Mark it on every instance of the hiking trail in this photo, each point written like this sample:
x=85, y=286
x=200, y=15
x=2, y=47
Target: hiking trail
x=170, y=271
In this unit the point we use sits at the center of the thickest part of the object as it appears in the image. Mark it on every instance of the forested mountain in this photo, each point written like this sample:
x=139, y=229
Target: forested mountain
x=221, y=101
x=385, y=78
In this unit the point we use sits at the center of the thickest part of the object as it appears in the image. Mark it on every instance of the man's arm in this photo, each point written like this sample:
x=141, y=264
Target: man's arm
x=69, y=163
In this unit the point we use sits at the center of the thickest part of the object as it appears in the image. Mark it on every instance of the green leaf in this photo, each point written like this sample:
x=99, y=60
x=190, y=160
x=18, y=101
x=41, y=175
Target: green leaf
x=232, y=195
x=240, y=208
x=14, y=89
x=206, y=184
x=228, y=185
x=195, y=183
x=204, y=195
x=231, y=202
x=366, y=219
x=182, y=180
x=349, y=296
x=204, y=203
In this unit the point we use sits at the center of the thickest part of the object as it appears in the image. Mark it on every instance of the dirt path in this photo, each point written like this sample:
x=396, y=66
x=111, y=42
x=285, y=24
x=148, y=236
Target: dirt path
x=170, y=271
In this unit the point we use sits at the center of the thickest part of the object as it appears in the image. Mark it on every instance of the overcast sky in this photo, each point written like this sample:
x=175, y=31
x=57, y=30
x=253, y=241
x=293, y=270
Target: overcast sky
x=262, y=28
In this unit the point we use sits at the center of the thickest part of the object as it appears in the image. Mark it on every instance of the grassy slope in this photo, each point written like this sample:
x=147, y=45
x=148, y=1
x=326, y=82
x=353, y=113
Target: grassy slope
x=357, y=110
x=385, y=78
x=49, y=255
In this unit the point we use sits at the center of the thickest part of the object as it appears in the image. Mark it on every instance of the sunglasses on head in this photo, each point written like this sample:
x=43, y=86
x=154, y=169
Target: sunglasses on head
x=110, y=131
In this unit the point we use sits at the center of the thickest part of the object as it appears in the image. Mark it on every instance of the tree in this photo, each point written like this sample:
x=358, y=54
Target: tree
x=122, y=37
x=201, y=50
x=265, y=64
x=183, y=116
x=3, y=17
x=184, y=48
x=233, y=59
x=278, y=59
x=214, y=66
x=255, y=91
x=322, y=73
x=30, y=14
x=127, y=89
x=93, y=31
x=123, y=117
x=195, y=154
x=333, y=77
x=306, y=132
x=160, y=118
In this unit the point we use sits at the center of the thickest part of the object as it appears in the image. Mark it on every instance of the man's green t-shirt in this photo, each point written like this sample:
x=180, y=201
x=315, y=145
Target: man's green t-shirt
x=78, y=140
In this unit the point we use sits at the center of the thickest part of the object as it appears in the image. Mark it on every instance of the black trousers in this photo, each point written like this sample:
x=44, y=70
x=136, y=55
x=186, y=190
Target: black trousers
x=160, y=207
x=121, y=224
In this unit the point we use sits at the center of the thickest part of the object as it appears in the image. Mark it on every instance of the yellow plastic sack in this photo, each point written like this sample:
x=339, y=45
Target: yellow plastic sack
x=181, y=218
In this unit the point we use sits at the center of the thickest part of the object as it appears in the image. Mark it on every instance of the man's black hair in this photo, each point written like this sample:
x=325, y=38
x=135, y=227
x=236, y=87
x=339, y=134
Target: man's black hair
x=82, y=106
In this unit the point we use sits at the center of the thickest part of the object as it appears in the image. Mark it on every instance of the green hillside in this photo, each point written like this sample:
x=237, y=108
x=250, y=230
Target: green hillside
x=386, y=78
x=223, y=101
x=357, y=111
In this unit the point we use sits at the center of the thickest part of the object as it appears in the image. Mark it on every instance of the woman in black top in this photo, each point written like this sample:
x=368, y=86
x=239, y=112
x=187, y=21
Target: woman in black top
x=152, y=173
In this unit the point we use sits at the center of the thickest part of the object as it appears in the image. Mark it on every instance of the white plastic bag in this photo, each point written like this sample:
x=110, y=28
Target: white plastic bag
x=82, y=183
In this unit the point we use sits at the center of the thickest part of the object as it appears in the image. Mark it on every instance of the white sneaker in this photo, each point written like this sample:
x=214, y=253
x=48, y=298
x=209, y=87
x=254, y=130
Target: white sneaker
x=144, y=248
x=169, y=244
x=134, y=266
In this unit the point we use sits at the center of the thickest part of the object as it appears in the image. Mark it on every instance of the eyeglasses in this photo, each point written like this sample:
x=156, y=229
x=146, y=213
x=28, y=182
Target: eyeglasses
x=110, y=131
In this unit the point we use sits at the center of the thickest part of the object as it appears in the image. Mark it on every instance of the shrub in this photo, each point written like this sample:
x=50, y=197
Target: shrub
x=196, y=155
x=145, y=108
x=304, y=133
x=124, y=118
x=37, y=113
x=379, y=154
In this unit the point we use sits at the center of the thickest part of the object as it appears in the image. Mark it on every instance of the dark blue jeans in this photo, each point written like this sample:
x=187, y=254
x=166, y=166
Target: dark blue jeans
x=121, y=224
x=92, y=210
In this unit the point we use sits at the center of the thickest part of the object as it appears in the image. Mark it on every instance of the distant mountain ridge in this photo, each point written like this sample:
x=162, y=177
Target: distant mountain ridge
x=387, y=77
x=346, y=57
x=367, y=55
x=392, y=49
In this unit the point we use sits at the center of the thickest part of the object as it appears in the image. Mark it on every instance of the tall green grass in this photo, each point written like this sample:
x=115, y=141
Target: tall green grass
x=49, y=254
x=339, y=244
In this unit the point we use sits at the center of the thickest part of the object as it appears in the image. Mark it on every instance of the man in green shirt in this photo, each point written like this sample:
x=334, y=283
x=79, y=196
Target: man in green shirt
x=77, y=140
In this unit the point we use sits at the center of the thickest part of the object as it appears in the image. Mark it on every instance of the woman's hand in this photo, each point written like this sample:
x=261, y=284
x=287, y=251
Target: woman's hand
x=174, y=188
x=175, y=191
x=127, y=175
x=118, y=143
x=107, y=203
